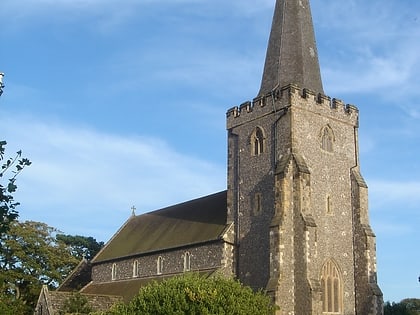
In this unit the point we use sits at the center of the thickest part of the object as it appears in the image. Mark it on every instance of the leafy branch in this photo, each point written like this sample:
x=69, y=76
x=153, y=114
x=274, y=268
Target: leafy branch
x=8, y=206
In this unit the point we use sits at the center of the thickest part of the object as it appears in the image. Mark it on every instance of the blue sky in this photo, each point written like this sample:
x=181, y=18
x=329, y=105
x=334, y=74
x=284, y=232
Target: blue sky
x=122, y=103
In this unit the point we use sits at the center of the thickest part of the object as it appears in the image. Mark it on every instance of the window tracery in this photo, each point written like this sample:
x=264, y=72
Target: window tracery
x=257, y=141
x=332, y=289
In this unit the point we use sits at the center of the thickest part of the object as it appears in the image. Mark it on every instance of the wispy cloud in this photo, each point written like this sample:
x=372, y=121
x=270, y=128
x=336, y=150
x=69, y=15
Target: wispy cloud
x=392, y=229
x=112, y=13
x=191, y=65
x=78, y=171
x=391, y=193
x=375, y=50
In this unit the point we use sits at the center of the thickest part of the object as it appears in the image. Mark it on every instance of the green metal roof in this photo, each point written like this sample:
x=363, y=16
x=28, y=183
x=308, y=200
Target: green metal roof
x=188, y=223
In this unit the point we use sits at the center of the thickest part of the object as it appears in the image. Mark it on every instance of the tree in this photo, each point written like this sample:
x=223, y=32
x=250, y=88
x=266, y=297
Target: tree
x=194, y=294
x=412, y=305
x=8, y=212
x=405, y=307
x=11, y=306
x=76, y=304
x=31, y=256
x=81, y=246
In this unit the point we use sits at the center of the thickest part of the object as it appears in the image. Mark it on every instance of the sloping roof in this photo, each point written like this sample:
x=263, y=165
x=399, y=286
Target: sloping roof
x=127, y=289
x=78, y=278
x=55, y=300
x=292, y=56
x=188, y=223
x=285, y=160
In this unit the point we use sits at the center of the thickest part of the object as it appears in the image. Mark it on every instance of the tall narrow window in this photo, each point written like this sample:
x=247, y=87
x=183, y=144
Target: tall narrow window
x=187, y=261
x=257, y=141
x=159, y=265
x=257, y=203
x=332, y=290
x=327, y=139
x=328, y=205
x=135, y=268
x=114, y=272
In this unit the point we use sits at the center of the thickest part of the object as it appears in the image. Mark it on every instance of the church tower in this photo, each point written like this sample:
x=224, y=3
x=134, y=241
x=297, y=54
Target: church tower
x=296, y=197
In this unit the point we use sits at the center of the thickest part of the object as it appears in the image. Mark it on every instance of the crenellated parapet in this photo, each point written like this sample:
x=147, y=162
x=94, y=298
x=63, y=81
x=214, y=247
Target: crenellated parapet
x=292, y=96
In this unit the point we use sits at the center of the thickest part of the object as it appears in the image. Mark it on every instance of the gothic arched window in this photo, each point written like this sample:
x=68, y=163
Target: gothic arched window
x=159, y=266
x=187, y=261
x=114, y=272
x=332, y=289
x=135, y=268
x=257, y=141
x=327, y=139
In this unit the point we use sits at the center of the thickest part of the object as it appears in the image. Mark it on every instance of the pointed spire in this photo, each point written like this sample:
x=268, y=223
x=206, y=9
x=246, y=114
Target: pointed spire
x=291, y=54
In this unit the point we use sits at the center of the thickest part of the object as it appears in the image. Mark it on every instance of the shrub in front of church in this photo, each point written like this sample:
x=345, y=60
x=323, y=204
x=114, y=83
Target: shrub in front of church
x=76, y=304
x=193, y=294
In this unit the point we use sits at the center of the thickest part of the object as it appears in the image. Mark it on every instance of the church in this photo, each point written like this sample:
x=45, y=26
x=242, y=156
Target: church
x=294, y=218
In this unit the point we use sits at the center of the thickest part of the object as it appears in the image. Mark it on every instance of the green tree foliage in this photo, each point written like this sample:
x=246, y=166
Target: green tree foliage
x=11, y=306
x=31, y=256
x=191, y=294
x=81, y=246
x=14, y=166
x=405, y=307
x=412, y=305
x=76, y=304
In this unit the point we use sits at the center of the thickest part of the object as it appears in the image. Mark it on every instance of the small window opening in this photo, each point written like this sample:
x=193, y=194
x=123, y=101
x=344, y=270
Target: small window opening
x=135, y=268
x=114, y=272
x=187, y=261
x=328, y=205
x=159, y=265
x=257, y=203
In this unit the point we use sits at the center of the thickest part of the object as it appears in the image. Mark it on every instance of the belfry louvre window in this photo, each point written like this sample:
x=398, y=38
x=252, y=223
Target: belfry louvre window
x=332, y=289
x=257, y=141
x=327, y=139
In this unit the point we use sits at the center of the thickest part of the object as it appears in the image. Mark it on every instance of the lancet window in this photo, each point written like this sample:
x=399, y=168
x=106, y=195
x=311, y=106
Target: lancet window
x=257, y=203
x=135, y=268
x=187, y=261
x=159, y=266
x=114, y=272
x=328, y=205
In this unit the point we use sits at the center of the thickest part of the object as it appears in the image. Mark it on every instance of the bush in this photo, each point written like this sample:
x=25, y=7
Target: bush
x=192, y=294
x=76, y=304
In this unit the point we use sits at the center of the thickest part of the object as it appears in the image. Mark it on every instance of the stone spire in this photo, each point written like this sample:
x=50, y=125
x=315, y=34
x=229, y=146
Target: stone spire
x=291, y=54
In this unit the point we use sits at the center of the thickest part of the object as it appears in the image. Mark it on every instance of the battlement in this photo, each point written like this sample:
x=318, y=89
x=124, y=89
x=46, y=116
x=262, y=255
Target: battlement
x=295, y=97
